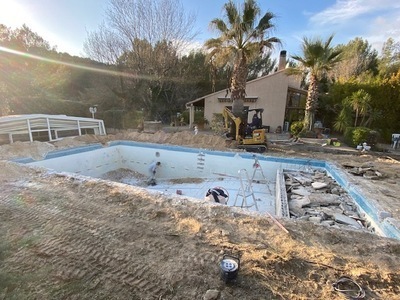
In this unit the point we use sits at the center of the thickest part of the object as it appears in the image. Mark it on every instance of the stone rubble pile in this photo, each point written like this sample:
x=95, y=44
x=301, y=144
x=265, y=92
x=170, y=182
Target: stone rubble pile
x=318, y=198
x=364, y=170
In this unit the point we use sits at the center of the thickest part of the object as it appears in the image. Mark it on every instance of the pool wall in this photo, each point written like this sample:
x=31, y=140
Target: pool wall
x=176, y=161
x=281, y=198
x=179, y=162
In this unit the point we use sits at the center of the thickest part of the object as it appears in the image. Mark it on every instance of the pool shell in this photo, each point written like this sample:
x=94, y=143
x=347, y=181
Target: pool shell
x=81, y=160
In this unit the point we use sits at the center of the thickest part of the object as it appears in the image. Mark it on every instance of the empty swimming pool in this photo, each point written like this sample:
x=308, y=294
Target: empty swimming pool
x=253, y=181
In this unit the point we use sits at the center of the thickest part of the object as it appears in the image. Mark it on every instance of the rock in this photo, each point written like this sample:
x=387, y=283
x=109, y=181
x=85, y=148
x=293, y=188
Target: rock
x=324, y=200
x=327, y=203
x=342, y=219
x=316, y=220
x=318, y=175
x=294, y=197
x=344, y=207
x=351, y=214
x=329, y=212
x=297, y=212
x=299, y=203
x=225, y=233
x=301, y=192
x=301, y=177
x=350, y=165
x=368, y=164
x=370, y=174
x=313, y=212
x=226, y=296
x=328, y=222
x=319, y=185
x=384, y=215
x=211, y=295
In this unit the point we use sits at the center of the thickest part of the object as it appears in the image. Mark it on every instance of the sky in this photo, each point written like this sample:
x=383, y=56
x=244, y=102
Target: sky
x=66, y=23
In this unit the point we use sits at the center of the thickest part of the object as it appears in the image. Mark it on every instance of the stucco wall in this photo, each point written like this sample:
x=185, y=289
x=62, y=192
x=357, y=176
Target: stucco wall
x=271, y=91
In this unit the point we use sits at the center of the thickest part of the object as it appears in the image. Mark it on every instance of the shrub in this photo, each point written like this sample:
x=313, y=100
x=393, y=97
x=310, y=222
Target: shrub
x=199, y=118
x=217, y=123
x=354, y=136
x=296, y=128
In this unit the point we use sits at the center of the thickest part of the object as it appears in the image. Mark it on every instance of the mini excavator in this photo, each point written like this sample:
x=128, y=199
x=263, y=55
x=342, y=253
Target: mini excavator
x=250, y=137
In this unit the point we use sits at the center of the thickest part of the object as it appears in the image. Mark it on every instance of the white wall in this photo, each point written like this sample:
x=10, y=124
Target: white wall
x=176, y=162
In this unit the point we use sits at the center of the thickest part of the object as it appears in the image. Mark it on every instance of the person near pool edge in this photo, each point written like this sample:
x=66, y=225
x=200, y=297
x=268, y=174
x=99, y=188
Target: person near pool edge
x=152, y=172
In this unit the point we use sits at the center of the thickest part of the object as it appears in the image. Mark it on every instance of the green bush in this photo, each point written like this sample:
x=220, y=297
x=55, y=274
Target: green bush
x=217, y=123
x=354, y=136
x=199, y=117
x=185, y=116
x=373, y=138
x=296, y=128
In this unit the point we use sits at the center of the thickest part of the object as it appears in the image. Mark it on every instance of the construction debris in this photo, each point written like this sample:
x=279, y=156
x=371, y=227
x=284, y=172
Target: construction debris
x=316, y=197
x=367, y=171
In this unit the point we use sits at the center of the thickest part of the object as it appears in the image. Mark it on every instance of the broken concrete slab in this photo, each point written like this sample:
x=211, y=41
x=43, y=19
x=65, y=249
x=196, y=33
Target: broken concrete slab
x=330, y=212
x=297, y=212
x=328, y=222
x=301, y=191
x=328, y=202
x=324, y=200
x=319, y=185
x=300, y=177
x=315, y=219
x=299, y=203
x=342, y=219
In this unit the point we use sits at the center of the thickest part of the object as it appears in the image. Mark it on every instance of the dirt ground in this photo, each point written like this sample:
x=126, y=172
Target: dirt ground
x=74, y=237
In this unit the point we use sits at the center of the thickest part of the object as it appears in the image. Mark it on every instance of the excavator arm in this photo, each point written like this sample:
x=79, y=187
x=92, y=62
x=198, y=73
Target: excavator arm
x=228, y=115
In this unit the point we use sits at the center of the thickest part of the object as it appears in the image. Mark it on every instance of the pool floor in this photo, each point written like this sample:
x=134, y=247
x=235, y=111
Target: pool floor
x=239, y=196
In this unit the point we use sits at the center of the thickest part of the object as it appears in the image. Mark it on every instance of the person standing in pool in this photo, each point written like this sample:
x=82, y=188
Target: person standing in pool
x=152, y=172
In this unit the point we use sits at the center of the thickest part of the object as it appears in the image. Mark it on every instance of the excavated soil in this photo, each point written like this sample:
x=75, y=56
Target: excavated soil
x=74, y=237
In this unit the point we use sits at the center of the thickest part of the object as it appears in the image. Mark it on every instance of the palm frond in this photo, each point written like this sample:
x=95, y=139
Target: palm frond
x=250, y=12
x=219, y=25
x=270, y=43
x=265, y=22
x=294, y=71
x=231, y=12
x=213, y=43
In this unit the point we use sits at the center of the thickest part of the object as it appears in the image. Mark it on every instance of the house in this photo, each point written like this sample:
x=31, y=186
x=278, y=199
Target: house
x=278, y=94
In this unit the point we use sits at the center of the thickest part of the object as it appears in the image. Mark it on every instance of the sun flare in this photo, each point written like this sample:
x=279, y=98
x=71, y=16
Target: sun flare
x=13, y=14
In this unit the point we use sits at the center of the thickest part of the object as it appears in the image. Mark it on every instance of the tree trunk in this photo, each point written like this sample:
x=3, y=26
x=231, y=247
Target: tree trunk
x=355, y=121
x=238, y=85
x=311, y=103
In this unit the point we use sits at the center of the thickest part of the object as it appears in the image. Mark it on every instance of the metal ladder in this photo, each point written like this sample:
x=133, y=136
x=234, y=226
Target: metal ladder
x=246, y=190
x=200, y=161
x=257, y=168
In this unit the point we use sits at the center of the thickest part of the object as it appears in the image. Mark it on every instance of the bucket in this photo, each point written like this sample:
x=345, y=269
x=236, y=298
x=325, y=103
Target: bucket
x=229, y=267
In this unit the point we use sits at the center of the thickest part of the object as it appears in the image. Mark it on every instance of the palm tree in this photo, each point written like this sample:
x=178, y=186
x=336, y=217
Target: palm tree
x=240, y=41
x=360, y=102
x=318, y=58
x=343, y=119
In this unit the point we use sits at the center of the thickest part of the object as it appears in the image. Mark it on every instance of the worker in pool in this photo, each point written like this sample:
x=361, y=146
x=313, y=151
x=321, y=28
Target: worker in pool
x=217, y=195
x=152, y=172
